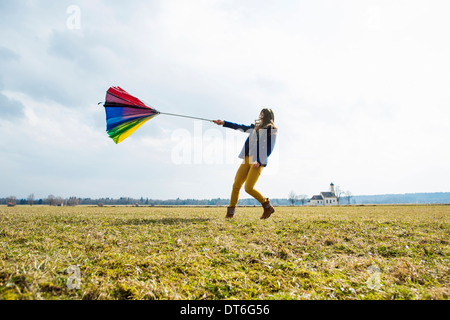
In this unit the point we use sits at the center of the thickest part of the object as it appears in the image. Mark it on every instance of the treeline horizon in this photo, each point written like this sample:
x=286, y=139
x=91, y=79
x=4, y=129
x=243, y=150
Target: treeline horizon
x=407, y=198
x=73, y=201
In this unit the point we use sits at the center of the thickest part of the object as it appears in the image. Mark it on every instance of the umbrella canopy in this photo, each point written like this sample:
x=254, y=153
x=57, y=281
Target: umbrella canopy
x=125, y=113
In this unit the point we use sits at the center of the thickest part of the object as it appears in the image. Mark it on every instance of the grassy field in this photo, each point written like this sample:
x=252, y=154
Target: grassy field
x=360, y=252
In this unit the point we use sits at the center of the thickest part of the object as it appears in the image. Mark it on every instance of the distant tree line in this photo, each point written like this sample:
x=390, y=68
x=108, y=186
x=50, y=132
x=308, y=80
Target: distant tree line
x=74, y=201
x=297, y=198
x=292, y=200
x=30, y=200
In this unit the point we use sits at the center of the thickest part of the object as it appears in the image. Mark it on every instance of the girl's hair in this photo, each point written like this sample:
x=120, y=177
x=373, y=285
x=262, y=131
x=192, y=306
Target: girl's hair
x=268, y=119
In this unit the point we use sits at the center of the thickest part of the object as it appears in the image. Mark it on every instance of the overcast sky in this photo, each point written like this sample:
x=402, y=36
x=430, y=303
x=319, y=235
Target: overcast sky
x=360, y=91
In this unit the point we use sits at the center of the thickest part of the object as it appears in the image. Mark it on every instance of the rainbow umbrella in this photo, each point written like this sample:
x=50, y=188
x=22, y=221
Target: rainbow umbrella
x=126, y=113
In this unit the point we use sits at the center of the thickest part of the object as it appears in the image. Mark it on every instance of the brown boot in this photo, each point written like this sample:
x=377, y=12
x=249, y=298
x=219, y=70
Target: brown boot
x=230, y=212
x=268, y=209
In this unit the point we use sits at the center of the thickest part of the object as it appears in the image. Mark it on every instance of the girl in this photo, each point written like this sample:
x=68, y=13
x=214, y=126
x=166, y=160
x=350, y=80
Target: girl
x=257, y=148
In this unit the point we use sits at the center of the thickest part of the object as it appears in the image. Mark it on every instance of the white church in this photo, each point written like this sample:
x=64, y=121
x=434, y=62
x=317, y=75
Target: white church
x=324, y=198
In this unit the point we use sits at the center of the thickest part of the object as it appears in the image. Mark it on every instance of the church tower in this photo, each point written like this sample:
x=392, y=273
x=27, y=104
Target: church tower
x=332, y=187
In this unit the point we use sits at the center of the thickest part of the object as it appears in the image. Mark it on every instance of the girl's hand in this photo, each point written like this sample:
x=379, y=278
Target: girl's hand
x=219, y=122
x=255, y=164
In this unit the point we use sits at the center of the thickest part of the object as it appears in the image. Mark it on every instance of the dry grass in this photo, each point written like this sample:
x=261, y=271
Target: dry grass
x=194, y=253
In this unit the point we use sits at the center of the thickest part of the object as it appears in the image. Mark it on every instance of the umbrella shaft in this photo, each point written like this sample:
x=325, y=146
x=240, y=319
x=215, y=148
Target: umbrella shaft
x=179, y=115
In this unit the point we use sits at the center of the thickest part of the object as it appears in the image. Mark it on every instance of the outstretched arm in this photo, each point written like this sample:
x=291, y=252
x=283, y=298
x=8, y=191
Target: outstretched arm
x=234, y=126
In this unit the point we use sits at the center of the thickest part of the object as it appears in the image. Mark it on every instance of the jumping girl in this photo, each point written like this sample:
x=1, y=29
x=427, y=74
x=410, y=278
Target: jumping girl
x=255, y=152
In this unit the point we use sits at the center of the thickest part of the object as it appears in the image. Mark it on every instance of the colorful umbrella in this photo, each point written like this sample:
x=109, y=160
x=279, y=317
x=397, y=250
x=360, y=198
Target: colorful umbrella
x=125, y=114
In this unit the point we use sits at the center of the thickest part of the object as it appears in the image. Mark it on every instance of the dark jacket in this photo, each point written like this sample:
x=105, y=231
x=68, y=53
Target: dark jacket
x=259, y=144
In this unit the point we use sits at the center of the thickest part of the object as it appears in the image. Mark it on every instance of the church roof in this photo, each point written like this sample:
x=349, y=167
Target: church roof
x=328, y=194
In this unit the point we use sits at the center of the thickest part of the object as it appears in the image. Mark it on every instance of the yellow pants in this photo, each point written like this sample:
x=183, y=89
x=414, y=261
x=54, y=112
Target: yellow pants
x=248, y=174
